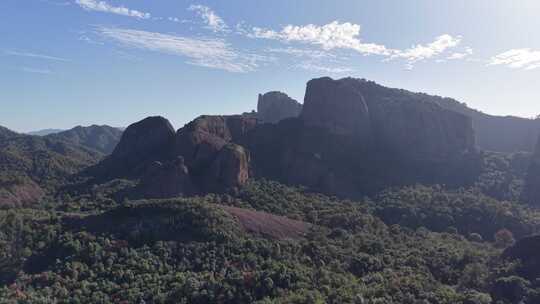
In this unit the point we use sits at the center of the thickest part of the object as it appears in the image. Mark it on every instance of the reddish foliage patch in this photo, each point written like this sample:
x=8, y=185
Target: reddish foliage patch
x=23, y=194
x=269, y=225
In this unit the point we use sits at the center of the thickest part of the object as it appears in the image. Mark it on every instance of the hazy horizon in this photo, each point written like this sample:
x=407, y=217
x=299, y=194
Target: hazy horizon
x=84, y=62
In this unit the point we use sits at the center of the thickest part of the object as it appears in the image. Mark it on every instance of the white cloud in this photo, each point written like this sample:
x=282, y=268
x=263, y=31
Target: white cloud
x=212, y=53
x=314, y=67
x=314, y=54
x=330, y=36
x=527, y=59
x=336, y=35
x=421, y=52
x=212, y=20
x=33, y=55
x=36, y=71
x=102, y=6
x=460, y=55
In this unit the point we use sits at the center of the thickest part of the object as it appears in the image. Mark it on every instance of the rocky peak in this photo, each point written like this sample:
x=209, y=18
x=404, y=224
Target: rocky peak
x=229, y=171
x=337, y=106
x=145, y=137
x=145, y=141
x=200, y=140
x=275, y=106
x=390, y=119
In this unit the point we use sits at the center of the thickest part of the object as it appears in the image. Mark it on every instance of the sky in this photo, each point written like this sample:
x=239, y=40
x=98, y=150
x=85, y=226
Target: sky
x=80, y=62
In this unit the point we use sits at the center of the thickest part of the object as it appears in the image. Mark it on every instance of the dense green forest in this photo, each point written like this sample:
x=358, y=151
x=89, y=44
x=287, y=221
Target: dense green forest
x=413, y=245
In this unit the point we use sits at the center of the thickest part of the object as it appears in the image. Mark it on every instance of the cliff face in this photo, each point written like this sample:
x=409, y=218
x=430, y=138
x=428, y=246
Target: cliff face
x=143, y=142
x=199, y=158
x=273, y=107
x=391, y=119
x=338, y=107
x=352, y=138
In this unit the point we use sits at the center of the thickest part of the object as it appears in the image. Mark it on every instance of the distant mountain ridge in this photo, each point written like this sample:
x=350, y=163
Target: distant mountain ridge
x=45, y=132
x=496, y=133
x=100, y=138
x=32, y=166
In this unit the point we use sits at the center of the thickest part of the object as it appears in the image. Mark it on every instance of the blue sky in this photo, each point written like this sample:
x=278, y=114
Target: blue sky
x=79, y=62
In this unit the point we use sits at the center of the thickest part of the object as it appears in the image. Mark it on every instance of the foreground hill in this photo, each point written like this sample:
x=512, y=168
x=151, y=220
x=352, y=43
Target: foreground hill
x=399, y=248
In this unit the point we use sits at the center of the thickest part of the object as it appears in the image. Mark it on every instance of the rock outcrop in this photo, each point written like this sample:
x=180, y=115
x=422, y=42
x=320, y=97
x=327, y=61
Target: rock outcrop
x=338, y=107
x=147, y=137
x=393, y=120
x=199, y=158
x=355, y=137
x=200, y=140
x=273, y=107
x=166, y=179
x=352, y=138
x=151, y=139
x=214, y=161
x=229, y=170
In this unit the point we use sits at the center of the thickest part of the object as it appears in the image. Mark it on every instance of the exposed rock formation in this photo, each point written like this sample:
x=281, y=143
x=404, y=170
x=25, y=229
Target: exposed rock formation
x=216, y=164
x=338, y=107
x=200, y=140
x=146, y=137
x=164, y=180
x=352, y=138
x=148, y=140
x=395, y=120
x=273, y=107
x=198, y=158
x=229, y=170
x=267, y=224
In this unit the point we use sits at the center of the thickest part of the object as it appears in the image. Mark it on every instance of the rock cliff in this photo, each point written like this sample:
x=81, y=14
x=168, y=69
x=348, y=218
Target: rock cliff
x=273, y=107
x=352, y=138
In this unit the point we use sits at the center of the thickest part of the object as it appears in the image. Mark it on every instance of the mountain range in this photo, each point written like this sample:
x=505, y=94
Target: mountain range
x=362, y=194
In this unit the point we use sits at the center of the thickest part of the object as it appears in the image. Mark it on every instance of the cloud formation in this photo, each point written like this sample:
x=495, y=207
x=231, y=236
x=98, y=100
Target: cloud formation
x=314, y=67
x=330, y=36
x=296, y=52
x=422, y=52
x=460, y=55
x=206, y=52
x=102, y=6
x=210, y=18
x=33, y=55
x=36, y=71
x=336, y=35
x=527, y=59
